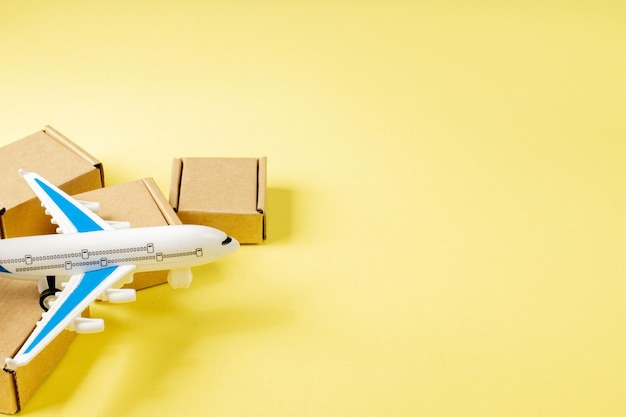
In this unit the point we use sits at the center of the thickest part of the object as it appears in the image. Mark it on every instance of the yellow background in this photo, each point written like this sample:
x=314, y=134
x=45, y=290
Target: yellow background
x=446, y=198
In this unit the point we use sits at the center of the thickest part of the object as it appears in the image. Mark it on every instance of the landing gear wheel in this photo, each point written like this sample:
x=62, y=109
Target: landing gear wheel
x=47, y=297
x=48, y=292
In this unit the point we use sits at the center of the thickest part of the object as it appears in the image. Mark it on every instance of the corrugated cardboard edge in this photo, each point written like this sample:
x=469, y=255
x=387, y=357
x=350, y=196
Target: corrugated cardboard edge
x=3, y=232
x=9, y=401
x=159, y=199
x=175, y=181
x=56, y=135
x=261, y=191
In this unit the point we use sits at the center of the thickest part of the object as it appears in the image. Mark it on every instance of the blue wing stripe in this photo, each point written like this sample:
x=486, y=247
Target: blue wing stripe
x=81, y=221
x=88, y=282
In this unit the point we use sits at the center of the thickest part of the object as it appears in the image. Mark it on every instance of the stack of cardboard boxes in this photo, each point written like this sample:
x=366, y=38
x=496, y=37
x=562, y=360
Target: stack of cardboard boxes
x=226, y=193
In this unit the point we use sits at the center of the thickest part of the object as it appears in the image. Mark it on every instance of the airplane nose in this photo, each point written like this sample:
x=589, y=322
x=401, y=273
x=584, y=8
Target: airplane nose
x=220, y=243
x=230, y=245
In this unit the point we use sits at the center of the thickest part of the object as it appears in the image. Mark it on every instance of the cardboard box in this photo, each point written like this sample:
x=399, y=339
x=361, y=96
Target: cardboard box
x=139, y=202
x=142, y=204
x=225, y=193
x=71, y=168
x=56, y=158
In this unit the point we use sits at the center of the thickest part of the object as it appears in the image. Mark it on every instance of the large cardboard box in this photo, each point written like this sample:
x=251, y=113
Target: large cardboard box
x=225, y=193
x=139, y=202
x=74, y=170
x=142, y=204
x=56, y=158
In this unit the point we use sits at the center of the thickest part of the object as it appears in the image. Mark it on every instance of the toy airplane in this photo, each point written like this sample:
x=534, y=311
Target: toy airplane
x=96, y=259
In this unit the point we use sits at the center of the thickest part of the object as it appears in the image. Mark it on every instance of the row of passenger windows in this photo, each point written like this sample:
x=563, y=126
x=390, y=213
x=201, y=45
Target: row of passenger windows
x=103, y=261
x=85, y=254
x=69, y=264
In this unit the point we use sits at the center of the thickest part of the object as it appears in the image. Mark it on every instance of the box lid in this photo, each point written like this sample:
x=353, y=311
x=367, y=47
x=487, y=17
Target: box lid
x=218, y=185
x=57, y=158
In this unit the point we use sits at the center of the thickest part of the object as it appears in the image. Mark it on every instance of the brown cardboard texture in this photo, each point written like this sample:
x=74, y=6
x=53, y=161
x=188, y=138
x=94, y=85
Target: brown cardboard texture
x=56, y=158
x=139, y=202
x=142, y=204
x=19, y=303
x=74, y=170
x=225, y=193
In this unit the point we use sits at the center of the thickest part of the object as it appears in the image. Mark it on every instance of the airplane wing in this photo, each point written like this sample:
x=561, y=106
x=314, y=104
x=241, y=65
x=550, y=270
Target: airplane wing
x=80, y=291
x=69, y=214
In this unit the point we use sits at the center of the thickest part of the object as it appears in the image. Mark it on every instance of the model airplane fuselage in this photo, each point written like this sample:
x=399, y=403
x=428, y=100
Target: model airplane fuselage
x=148, y=249
x=94, y=259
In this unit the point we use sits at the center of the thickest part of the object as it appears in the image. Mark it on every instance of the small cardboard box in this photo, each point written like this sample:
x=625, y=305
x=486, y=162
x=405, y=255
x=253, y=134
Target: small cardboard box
x=225, y=193
x=142, y=204
x=56, y=158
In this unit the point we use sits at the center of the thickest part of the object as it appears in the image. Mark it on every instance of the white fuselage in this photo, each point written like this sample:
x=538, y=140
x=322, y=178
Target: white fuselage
x=149, y=249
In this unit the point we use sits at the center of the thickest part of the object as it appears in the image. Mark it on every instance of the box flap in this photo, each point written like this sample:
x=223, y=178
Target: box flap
x=137, y=206
x=219, y=185
x=55, y=134
x=261, y=193
x=159, y=199
x=177, y=173
x=261, y=184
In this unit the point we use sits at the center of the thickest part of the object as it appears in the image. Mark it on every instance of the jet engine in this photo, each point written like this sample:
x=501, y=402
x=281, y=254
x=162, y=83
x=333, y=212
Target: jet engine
x=119, y=295
x=86, y=325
